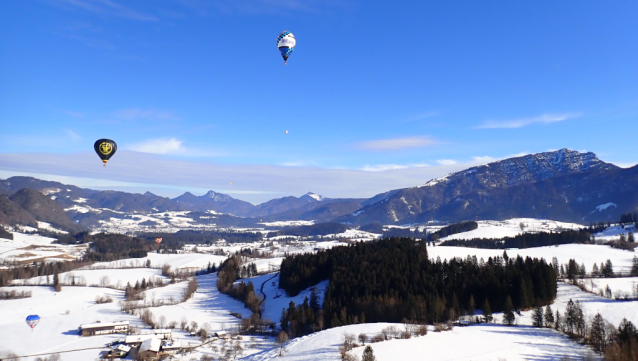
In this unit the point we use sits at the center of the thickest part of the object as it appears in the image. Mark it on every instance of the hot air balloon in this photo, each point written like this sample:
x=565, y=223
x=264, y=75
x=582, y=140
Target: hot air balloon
x=32, y=320
x=286, y=132
x=158, y=240
x=286, y=44
x=105, y=148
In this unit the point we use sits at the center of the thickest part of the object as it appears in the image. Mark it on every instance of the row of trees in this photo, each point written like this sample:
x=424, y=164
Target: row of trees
x=617, y=344
x=525, y=240
x=393, y=279
x=305, y=318
x=628, y=218
x=233, y=269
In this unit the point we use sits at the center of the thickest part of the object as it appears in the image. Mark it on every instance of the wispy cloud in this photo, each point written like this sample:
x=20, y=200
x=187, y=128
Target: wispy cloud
x=265, y=6
x=446, y=161
x=397, y=143
x=256, y=183
x=384, y=167
x=523, y=122
x=159, y=146
x=73, y=135
x=109, y=8
x=128, y=114
x=73, y=114
x=483, y=159
x=422, y=116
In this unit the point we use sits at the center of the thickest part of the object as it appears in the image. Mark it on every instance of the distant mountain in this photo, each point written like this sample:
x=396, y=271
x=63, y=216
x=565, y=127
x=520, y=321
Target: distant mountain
x=43, y=208
x=214, y=201
x=324, y=211
x=563, y=185
x=515, y=187
x=12, y=214
x=314, y=196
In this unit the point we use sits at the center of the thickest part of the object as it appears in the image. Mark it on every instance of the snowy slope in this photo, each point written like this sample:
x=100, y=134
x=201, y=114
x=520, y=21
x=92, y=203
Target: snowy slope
x=276, y=298
x=57, y=330
x=586, y=253
x=511, y=228
x=484, y=342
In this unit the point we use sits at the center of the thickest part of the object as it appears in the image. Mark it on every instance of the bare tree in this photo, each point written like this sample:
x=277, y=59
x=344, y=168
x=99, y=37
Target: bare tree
x=363, y=338
x=282, y=338
x=105, y=281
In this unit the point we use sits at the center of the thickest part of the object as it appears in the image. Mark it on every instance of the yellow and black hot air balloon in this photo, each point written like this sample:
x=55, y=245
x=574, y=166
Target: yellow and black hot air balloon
x=105, y=148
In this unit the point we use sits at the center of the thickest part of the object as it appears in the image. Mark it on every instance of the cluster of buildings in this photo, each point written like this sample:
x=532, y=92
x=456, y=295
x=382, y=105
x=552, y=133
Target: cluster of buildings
x=146, y=347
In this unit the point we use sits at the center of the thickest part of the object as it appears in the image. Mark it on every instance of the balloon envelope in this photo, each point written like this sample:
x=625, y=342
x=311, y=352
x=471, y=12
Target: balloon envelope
x=32, y=320
x=105, y=148
x=286, y=44
x=158, y=240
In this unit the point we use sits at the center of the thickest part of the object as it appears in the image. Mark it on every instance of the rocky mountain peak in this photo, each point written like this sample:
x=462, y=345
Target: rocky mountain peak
x=314, y=196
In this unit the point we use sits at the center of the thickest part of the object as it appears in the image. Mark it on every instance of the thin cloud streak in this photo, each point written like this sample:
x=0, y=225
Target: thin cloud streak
x=446, y=161
x=129, y=114
x=523, y=122
x=397, y=143
x=384, y=167
x=109, y=8
x=73, y=135
x=255, y=183
x=422, y=116
x=159, y=146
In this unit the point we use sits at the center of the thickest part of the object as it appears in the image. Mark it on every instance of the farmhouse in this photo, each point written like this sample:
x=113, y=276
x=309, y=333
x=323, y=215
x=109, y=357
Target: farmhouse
x=100, y=328
x=136, y=340
x=163, y=334
x=119, y=352
x=149, y=349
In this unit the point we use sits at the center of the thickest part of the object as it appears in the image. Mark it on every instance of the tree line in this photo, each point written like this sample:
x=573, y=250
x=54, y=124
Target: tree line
x=233, y=269
x=525, y=240
x=393, y=279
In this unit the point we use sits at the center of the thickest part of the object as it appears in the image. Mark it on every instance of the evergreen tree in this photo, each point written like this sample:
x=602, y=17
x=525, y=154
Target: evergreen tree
x=537, y=316
x=630, y=237
x=143, y=285
x=627, y=331
x=314, y=299
x=594, y=270
x=634, y=266
x=368, y=354
x=570, y=317
x=549, y=316
x=508, y=312
x=608, y=270
x=283, y=320
x=487, y=311
x=471, y=306
x=598, y=333
x=558, y=324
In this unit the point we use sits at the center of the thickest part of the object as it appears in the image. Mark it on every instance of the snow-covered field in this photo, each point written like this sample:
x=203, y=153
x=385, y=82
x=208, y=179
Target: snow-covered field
x=30, y=247
x=100, y=277
x=483, y=342
x=512, y=227
x=582, y=253
x=61, y=314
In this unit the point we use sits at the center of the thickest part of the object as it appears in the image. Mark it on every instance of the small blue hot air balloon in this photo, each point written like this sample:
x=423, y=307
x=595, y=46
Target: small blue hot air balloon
x=286, y=44
x=32, y=320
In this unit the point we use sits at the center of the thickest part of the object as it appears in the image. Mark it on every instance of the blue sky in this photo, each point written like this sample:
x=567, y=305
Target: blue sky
x=377, y=95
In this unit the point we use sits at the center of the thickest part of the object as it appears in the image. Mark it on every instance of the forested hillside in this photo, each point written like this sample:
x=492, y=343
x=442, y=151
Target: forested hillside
x=393, y=279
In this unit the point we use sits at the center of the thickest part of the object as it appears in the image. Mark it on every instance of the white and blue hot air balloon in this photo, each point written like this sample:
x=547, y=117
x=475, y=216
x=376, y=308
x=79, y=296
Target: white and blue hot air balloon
x=286, y=44
x=33, y=320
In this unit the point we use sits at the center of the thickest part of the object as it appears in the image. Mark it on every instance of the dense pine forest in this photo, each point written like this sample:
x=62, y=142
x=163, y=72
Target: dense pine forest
x=525, y=240
x=393, y=279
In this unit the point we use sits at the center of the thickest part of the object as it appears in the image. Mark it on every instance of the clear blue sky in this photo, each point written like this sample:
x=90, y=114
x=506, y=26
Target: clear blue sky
x=372, y=85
